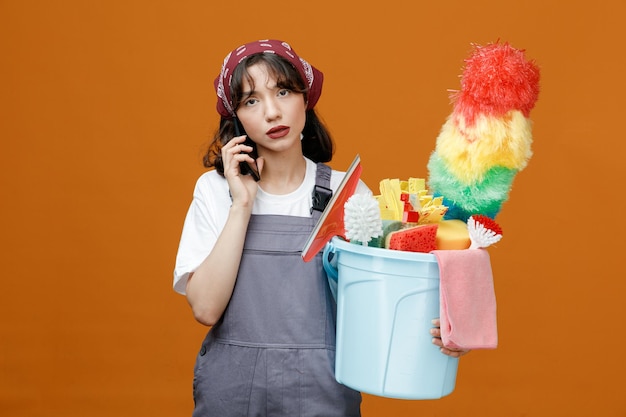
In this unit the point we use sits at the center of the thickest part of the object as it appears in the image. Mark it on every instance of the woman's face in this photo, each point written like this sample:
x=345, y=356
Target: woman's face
x=272, y=116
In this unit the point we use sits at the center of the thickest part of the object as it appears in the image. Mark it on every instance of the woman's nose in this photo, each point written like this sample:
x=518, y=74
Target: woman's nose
x=272, y=109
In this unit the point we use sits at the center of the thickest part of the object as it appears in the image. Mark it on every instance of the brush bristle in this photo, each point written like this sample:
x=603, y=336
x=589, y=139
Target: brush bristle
x=483, y=231
x=488, y=223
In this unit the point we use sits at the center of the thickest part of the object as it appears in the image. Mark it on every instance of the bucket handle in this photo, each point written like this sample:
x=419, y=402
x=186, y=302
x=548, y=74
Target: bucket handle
x=329, y=260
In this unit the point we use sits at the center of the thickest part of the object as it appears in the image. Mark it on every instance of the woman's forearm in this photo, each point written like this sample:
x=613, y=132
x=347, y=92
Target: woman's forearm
x=210, y=287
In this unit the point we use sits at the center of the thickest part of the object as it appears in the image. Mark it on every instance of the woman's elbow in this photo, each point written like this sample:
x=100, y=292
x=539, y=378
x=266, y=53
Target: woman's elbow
x=204, y=315
x=204, y=311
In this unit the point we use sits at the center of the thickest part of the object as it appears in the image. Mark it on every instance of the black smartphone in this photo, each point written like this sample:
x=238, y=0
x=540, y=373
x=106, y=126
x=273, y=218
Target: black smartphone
x=244, y=167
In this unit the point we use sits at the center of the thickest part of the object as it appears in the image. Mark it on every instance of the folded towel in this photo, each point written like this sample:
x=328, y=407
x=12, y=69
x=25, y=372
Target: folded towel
x=467, y=299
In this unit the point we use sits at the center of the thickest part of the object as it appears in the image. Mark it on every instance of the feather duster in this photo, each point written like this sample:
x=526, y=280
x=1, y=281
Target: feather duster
x=487, y=138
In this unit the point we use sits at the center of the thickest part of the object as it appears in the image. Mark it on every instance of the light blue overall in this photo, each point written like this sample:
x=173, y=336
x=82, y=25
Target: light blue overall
x=273, y=351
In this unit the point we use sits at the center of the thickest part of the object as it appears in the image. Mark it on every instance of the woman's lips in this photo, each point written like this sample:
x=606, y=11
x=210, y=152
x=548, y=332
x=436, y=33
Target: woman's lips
x=278, y=132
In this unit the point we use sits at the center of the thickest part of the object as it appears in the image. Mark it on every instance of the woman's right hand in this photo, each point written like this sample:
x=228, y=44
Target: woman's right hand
x=243, y=188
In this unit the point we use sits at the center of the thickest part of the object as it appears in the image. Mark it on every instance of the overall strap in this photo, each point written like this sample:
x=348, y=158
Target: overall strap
x=323, y=175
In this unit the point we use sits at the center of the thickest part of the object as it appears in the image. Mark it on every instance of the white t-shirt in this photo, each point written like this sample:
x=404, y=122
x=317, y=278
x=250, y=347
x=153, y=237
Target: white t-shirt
x=209, y=210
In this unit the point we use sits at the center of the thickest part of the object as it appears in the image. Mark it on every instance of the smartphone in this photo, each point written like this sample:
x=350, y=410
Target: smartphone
x=244, y=167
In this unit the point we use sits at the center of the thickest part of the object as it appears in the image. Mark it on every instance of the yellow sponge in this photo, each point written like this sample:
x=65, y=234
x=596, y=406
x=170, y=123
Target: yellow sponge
x=452, y=234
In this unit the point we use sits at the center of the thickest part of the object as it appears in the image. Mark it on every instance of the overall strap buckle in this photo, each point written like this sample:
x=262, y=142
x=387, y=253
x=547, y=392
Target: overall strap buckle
x=321, y=197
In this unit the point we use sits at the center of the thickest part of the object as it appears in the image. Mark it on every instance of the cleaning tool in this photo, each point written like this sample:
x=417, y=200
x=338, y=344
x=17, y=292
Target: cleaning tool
x=362, y=220
x=331, y=222
x=487, y=138
x=483, y=231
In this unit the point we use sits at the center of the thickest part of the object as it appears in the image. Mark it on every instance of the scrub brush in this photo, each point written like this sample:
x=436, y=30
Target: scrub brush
x=362, y=220
x=483, y=231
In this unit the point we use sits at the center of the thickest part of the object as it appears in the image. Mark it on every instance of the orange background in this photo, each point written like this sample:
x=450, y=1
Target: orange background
x=106, y=108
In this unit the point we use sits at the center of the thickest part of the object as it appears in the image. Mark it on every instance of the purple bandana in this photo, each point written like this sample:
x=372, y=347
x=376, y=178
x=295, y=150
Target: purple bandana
x=310, y=74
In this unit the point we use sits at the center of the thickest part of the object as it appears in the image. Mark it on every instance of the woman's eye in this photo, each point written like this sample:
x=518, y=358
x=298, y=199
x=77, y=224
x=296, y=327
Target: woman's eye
x=283, y=92
x=250, y=102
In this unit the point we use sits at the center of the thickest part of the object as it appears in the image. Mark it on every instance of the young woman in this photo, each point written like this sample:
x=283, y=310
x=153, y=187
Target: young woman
x=270, y=351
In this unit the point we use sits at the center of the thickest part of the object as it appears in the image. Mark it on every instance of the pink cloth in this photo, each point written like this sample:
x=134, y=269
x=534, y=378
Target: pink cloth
x=467, y=299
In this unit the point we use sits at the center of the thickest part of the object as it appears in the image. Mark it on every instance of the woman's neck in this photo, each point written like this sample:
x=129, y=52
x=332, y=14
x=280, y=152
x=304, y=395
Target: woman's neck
x=282, y=175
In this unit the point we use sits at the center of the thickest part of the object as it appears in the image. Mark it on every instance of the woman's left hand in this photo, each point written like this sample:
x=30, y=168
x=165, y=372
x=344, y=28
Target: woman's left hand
x=436, y=333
